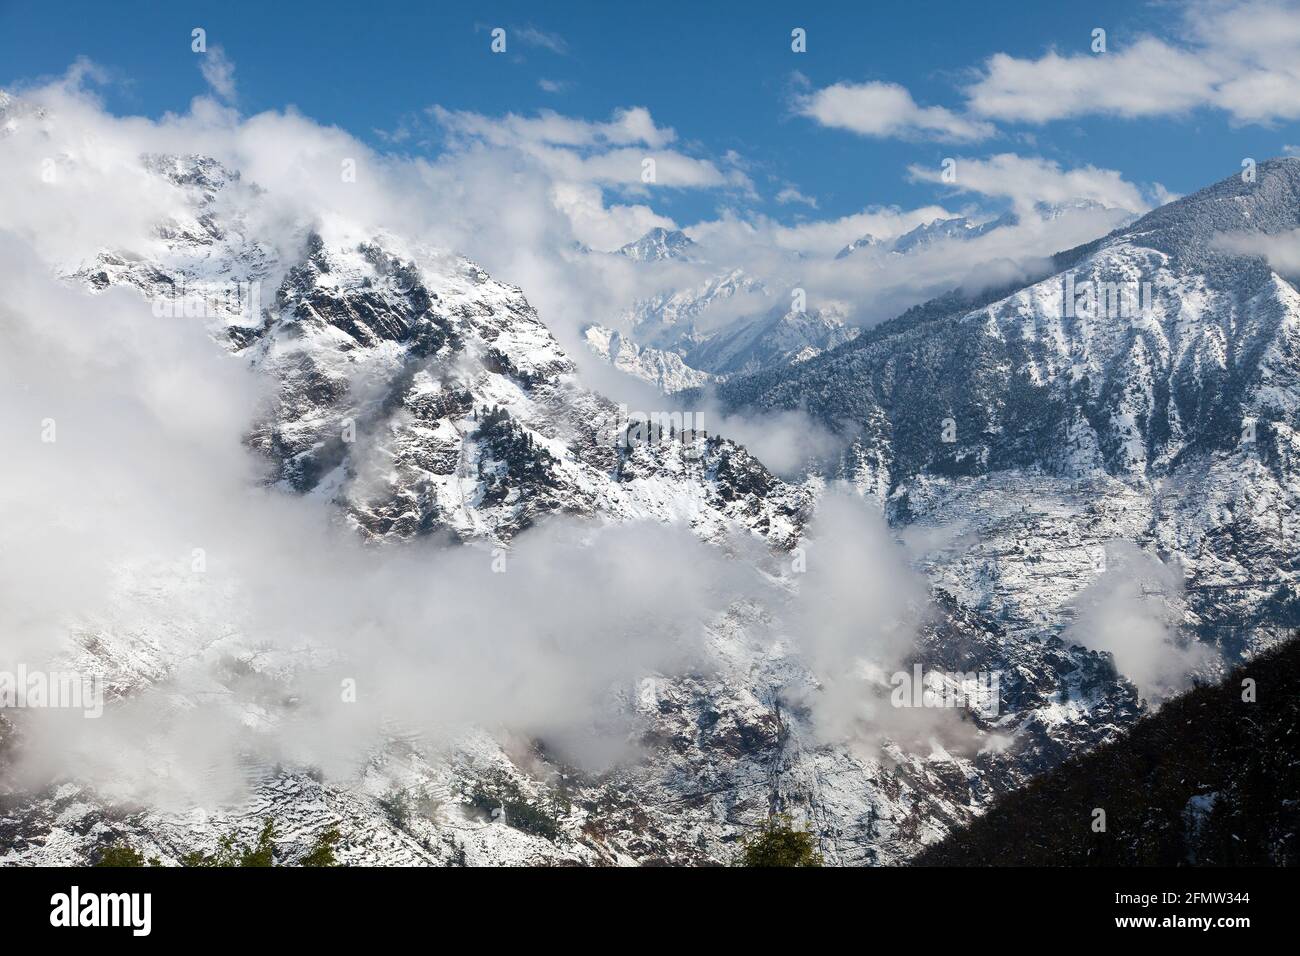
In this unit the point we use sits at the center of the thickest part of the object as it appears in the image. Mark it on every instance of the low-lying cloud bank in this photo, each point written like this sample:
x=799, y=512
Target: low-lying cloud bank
x=237, y=625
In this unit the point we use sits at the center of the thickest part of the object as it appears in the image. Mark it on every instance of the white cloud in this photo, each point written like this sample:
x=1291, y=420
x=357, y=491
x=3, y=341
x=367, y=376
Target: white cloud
x=790, y=194
x=1281, y=251
x=733, y=233
x=1149, y=78
x=602, y=227
x=1242, y=58
x=625, y=167
x=578, y=160
x=859, y=611
x=531, y=36
x=219, y=73
x=886, y=110
x=1132, y=612
x=632, y=126
x=612, y=153
x=1027, y=180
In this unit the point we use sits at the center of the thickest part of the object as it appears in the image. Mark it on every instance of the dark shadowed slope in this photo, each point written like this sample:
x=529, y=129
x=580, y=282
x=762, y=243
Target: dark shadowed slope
x=1210, y=780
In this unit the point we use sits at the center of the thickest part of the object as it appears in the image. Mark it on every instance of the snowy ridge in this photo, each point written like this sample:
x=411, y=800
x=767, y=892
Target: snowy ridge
x=1186, y=408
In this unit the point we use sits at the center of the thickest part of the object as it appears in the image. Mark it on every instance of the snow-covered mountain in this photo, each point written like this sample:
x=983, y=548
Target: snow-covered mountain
x=862, y=242
x=668, y=341
x=1042, y=426
x=778, y=338
x=388, y=359
x=659, y=244
x=664, y=327
x=936, y=230
x=422, y=397
x=781, y=337
x=664, y=369
x=426, y=398
x=961, y=228
x=674, y=342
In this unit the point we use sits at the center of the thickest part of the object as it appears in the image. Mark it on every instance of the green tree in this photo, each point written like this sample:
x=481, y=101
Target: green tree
x=322, y=853
x=778, y=843
x=230, y=853
x=263, y=853
x=122, y=854
x=225, y=855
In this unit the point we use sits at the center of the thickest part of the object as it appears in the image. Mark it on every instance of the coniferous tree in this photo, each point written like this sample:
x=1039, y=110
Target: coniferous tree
x=123, y=854
x=322, y=853
x=779, y=843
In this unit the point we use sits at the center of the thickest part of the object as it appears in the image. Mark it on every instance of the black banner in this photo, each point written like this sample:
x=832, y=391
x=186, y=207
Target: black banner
x=333, y=905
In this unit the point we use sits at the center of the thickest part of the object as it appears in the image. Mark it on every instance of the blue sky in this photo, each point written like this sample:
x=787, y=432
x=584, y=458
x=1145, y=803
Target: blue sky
x=722, y=76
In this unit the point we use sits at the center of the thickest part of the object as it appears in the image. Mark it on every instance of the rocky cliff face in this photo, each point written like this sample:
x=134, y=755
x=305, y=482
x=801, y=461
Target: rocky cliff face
x=415, y=390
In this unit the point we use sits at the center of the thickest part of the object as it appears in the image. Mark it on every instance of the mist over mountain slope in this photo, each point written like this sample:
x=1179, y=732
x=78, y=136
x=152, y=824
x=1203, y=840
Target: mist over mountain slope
x=417, y=391
x=733, y=323
x=571, y=643
x=1183, y=408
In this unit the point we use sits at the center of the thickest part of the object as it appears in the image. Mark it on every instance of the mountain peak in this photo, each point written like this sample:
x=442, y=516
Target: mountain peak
x=936, y=230
x=958, y=227
x=862, y=242
x=1268, y=204
x=659, y=244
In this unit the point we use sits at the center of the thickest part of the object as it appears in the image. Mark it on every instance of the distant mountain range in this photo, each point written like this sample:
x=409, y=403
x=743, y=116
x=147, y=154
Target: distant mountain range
x=672, y=341
x=960, y=228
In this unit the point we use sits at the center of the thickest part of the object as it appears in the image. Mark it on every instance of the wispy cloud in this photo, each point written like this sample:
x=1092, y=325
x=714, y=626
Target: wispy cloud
x=627, y=127
x=617, y=152
x=1026, y=180
x=532, y=36
x=1242, y=58
x=1281, y=250
x=886, y=110
x=219, y=73
x=790, y=194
